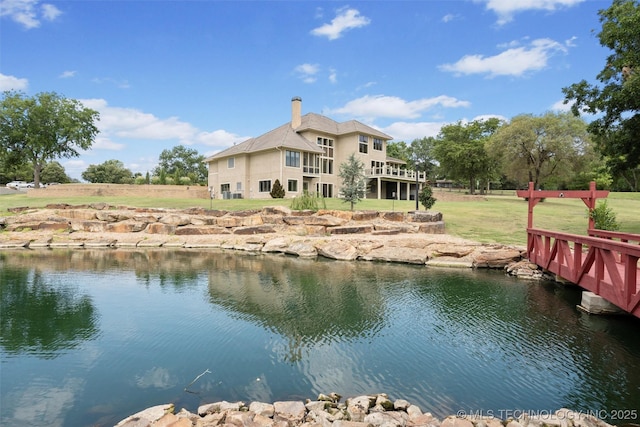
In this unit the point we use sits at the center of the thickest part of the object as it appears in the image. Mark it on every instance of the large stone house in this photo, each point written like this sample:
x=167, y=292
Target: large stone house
x=305, y=154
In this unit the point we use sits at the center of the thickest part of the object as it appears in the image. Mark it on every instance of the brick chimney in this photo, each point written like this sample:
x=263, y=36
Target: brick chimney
x=296, y=111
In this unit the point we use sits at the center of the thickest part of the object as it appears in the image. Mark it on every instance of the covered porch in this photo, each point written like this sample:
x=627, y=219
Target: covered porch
x=380, y=188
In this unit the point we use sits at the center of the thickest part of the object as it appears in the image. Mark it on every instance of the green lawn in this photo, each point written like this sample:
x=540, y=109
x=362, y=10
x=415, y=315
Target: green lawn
x=497, y=218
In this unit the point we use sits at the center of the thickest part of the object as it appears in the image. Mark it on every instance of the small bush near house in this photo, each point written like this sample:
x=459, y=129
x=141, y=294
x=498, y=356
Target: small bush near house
x=308, y=201
x=277, y=191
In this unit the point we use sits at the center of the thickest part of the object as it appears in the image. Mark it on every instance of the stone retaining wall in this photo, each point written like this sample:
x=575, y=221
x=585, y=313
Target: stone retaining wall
x=412, y=238
x=100, y=218
x=360, y=411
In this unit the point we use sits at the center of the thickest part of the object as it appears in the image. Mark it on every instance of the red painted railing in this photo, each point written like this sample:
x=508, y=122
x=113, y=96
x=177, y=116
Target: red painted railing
x=605, y=267
x=604, y=262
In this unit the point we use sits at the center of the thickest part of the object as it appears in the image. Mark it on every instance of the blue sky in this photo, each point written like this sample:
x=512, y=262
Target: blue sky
x=208, y=74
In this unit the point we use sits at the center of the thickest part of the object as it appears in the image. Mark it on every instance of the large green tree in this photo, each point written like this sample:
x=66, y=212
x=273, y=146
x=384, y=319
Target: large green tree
x=54, y=172
x=422, y=155
x=353, y=180
x=14, y=171
x=44, y=127
x=460, y=150
x=399, y=150
x=180, y=162
x=111, y=172
x=615, y=100
x=539, y=148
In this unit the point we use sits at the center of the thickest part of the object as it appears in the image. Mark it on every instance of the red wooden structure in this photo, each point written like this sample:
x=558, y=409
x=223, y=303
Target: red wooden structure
x=604, y=262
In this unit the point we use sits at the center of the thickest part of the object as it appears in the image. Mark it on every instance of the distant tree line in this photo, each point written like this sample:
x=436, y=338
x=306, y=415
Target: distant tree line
x=177, y=166
x=554, y=150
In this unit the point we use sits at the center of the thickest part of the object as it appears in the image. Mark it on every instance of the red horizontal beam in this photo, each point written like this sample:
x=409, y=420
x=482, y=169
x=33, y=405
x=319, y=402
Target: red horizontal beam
x=623, y=237
x=566, y=194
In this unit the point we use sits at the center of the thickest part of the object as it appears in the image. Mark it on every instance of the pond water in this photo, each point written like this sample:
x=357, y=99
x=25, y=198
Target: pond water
x=88, y=337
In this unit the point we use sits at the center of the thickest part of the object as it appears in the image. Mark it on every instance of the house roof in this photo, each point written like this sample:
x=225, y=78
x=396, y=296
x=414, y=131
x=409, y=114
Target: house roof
x=287, y=137
x=280, y=137
x=312, y=121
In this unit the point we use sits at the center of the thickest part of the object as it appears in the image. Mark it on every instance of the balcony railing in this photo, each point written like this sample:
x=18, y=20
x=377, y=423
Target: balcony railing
x=397, y=173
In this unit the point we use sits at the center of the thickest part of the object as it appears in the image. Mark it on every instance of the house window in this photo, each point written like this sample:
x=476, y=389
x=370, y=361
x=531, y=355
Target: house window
x=238, y=186
x=327, y=146
x=292, y=158
x=292, y=185
x=377, y=144
x=225, y=188
x=325, y=189
x=327, y=166
x=231, y=162
x=364, y=144
x=264, y=186
x=311, y=163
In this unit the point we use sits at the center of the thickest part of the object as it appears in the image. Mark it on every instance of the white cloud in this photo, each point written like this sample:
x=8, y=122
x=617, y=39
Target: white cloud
x=67, y=74
x=346, y=19
x=134, y=124
x=219, y=138
x=506, y=9
x=12, y=83
x=101, y=142
x=407, y=131
x=371, y=107
x=28, y=13
x=50, y=12
x=366, y=86
x=515, y=61
x=561, y=107
x=333, y=75
x=307, y=72
x=128, y=123
x=449, y=17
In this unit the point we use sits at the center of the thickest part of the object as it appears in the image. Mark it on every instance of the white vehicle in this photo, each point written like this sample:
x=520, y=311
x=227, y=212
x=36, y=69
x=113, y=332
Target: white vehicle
x=16, y=184
x=20, y=185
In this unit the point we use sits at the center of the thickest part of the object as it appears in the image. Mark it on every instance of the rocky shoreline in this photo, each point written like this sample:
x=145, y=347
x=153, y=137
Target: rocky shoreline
x=413, y=237
x=360, y=411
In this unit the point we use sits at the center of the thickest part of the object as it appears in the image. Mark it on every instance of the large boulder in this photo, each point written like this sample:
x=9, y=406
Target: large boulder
x=339, y=250
x=396, y=254
x=498, y=257
x=302, y=249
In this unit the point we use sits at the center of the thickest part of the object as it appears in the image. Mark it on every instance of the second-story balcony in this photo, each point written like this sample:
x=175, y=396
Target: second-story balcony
x=395, y=173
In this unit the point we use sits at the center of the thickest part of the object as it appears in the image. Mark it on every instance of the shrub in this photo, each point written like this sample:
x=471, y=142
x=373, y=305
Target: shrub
x=426, y=197
x=277, y=191
x=604, y=217
x=308, y=201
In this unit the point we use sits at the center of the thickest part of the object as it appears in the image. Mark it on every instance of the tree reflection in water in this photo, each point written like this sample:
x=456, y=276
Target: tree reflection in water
x=306, y=301
x=42, y=318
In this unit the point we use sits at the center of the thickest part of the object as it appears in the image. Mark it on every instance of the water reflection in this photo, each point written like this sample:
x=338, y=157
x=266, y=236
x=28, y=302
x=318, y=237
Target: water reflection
x=142, y=323
x=39, y=316
x=307, y=301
